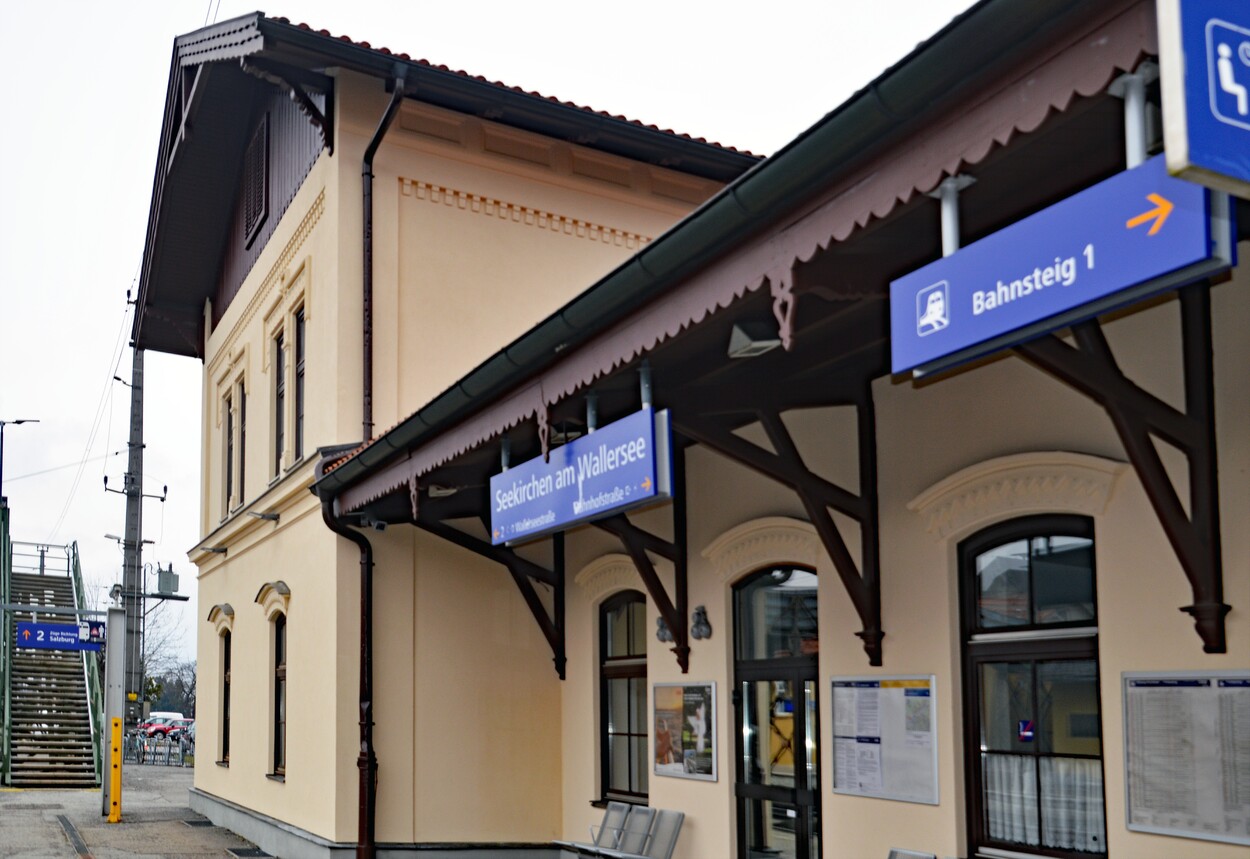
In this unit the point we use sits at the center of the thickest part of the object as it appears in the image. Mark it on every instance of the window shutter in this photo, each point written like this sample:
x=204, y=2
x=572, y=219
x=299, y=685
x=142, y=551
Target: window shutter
x=256, y=182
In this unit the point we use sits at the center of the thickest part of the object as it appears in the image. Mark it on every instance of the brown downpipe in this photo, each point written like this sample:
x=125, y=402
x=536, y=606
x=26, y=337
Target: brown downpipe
x=366, y=179
x=366, y=761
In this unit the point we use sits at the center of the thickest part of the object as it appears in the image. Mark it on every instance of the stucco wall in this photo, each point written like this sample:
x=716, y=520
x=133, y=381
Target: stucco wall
x=925, y=434
x=479, y=233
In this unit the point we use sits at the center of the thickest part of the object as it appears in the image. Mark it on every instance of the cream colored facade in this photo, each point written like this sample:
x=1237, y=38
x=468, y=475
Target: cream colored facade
x=991, y=450
x=480, y=231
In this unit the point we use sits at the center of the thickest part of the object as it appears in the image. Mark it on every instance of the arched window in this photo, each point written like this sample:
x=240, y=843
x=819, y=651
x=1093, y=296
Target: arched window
x=623, y=697
x=225, y=697
x=279, y=694
x=1034, y=747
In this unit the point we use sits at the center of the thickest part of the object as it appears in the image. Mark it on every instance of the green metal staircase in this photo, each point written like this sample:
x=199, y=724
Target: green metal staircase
x=52, y=698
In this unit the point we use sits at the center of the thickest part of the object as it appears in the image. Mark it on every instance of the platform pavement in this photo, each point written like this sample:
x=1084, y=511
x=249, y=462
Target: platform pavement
x=40, y=824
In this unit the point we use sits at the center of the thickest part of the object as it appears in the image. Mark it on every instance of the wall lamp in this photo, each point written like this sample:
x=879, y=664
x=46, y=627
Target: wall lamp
x=269, y=516
x=700, y=628
x=753, y=337
x=699, y=625
x=662, y=632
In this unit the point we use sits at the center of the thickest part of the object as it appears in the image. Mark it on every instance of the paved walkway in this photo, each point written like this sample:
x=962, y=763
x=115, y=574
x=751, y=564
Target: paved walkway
x=40, y=824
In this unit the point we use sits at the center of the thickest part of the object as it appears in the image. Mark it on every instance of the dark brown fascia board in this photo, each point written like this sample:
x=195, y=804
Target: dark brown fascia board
x=548, y=117
x=965, y=54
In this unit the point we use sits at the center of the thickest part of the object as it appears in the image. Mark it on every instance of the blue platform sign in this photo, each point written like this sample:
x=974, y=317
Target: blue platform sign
x=623, y=465
x=1137, y=233
x=61, y=636
x=1204, y=68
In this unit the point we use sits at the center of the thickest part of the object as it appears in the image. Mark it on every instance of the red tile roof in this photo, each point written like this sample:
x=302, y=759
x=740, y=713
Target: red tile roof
x=388, y=52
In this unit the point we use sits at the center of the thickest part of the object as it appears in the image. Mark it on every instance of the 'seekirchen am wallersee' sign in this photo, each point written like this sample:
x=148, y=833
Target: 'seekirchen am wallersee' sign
x=623, y=465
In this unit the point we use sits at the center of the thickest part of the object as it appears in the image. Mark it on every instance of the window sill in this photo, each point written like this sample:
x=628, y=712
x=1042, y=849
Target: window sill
x=276, y=777
x=225, y=764
x=637, y=800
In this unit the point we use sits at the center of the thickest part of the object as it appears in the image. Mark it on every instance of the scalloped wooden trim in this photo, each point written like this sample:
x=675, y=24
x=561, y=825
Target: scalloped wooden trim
x=763, y=542
x=1039, y=482
x=608, y=574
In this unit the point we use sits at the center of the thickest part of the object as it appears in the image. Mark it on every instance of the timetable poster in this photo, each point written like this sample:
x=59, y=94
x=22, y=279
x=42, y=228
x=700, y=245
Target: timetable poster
x=885, y=737
x=1187, y=754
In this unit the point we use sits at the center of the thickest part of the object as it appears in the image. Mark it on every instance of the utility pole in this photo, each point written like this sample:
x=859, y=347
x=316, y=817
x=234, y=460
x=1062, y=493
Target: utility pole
x=132, y=549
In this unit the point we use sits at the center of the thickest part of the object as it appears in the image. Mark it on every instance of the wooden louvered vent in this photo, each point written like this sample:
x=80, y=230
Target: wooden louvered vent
x=256, y=182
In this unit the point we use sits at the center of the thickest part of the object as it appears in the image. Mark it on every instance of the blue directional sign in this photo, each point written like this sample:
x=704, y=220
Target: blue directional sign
x=623, y=465
x=1139, y=232
x=61, y=636
x=1204, y=67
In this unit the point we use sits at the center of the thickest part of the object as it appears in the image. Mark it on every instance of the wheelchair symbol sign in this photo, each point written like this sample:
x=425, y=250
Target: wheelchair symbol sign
x=1228, y=72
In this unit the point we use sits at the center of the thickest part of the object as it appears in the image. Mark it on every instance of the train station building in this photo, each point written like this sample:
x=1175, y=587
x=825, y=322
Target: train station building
x=562, y=460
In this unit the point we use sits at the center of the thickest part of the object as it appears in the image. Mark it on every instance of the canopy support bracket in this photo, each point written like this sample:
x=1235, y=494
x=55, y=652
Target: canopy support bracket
x=673, y=611
x=818, y=496
x=524, y=574
x=1091, y=369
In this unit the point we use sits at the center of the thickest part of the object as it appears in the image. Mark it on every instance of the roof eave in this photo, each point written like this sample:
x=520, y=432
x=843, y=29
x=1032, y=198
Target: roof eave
x=965, y=50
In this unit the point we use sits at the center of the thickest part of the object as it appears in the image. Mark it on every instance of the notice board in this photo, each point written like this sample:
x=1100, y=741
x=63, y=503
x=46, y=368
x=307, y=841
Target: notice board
x=885, y=737
x=1187, y=754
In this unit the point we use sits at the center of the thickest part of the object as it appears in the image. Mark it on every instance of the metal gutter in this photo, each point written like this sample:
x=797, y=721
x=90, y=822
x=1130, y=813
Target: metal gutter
x=937, y=73
x=366, y=191
x=367, y=759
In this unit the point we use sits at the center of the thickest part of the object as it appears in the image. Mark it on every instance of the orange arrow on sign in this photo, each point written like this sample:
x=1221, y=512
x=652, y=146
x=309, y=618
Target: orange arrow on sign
x=25, y=634
x=1159, y=214
x=646, y=483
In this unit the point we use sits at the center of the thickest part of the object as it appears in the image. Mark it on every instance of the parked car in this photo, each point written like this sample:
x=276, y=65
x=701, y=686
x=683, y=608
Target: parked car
x=176, y=728
x=155, y=726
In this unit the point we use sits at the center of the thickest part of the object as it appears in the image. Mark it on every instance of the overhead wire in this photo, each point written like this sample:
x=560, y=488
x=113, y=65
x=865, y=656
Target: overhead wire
x=209, y=11
x=105, y=399
x=63, y=467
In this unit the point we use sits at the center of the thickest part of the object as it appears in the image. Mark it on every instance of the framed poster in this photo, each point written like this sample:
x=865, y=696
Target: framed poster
x=1187, y=754
x=684, y=730
x=885, y=737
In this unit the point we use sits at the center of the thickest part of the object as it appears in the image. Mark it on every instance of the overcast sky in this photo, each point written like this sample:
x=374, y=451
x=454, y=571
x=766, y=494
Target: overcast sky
x=86, y=87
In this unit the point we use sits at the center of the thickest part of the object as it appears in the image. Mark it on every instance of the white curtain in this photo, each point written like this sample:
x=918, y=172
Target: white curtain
x=1011, y=798
x=1072, y=812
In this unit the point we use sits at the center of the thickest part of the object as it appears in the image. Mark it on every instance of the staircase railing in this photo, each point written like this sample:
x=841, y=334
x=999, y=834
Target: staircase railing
x=91, y=664
x=6, y=640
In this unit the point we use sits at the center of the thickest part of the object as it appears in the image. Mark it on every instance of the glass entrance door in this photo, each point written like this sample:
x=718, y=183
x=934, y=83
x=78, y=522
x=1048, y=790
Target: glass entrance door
x=777, y=783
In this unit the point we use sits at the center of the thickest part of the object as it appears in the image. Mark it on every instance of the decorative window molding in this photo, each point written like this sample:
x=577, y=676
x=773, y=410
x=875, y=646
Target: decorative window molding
x=518, y=214
x=273, y=597
x=281, y=277
x=221, y=616
x=1010, y=486
x=761, y=543
x=608, y=574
